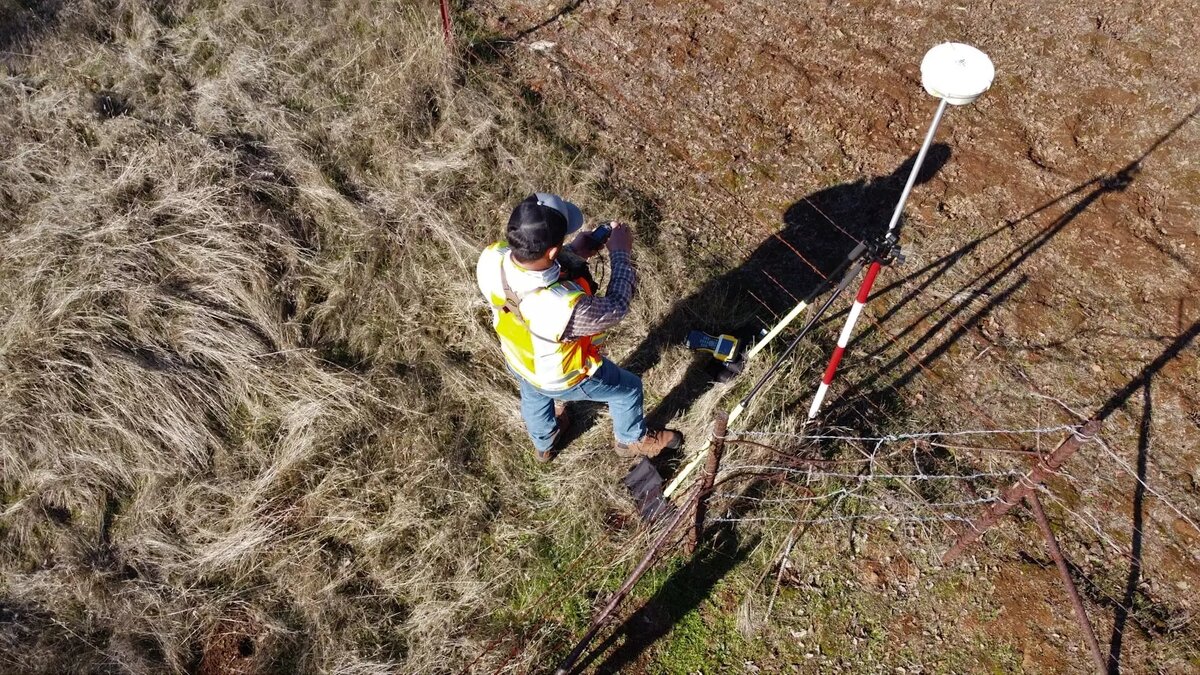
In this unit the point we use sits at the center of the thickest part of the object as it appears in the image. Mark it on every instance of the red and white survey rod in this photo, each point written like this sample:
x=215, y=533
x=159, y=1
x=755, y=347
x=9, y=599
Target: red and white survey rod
x=955, y=73
x=859, y=301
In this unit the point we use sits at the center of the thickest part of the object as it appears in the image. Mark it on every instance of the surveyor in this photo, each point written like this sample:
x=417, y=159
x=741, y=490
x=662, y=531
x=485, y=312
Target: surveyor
x=551, y=324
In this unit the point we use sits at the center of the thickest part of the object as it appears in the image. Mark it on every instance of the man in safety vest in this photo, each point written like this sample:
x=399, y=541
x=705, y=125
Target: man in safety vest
x=551, y=323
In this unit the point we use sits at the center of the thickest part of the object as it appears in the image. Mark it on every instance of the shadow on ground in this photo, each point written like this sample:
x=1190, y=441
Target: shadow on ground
x=819, y=232
x=21, y=21
x=683, y=592
x=967, y=307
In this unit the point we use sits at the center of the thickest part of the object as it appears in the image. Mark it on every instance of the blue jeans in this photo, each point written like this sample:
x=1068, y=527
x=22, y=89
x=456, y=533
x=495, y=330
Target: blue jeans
x=620, y=389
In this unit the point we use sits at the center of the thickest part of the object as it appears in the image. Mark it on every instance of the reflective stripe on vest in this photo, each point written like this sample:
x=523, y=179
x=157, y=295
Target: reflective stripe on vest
x=531, y=338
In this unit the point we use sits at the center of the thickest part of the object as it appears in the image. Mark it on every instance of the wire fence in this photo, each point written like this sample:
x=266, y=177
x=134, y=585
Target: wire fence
x=902, y=477
x=915, y=479
x=880, y=492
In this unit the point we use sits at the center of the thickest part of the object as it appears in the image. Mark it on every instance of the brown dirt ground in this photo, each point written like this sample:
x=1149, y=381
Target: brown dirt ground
x=1072, y=190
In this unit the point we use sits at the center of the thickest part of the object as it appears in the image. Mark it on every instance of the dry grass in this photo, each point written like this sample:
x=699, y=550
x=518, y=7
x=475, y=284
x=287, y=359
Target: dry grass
x=246, y=378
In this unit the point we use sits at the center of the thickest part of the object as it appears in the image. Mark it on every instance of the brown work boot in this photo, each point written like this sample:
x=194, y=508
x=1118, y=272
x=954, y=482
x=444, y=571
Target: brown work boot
x=653, y=443
x=563, y=423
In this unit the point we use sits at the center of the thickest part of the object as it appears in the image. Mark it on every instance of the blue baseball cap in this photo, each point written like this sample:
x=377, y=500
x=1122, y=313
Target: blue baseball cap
x=569, y=211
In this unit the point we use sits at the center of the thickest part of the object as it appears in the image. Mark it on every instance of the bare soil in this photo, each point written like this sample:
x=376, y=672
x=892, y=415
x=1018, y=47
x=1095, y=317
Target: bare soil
x=1051, y=261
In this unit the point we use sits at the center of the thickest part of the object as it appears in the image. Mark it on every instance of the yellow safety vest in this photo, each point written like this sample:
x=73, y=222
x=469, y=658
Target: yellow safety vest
x=531, y=326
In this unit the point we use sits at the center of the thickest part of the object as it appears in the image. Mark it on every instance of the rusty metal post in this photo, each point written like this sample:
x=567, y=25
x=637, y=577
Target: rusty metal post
x=1024, y=487
x=711, y=465
x=1089, y=636
x=447, y=31
x=630, y=582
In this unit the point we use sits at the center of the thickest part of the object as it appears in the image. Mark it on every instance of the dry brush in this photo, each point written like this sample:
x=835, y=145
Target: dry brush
x=251, y=411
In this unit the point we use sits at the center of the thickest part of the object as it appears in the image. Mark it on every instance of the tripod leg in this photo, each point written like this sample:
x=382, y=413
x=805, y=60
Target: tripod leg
x=863, y=291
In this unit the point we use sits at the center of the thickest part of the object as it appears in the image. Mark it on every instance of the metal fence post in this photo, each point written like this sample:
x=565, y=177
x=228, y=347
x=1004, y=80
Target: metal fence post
x=447, y=30
x=1022, y=488
x=711, y=465
x=1085, y=626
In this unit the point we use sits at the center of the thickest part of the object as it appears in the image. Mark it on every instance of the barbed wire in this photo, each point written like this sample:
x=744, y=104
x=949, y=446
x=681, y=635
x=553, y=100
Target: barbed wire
x=880, y=483
x=1129, y=470
x=873, y=493
x=891, y=438
x=855, y=495
x=845, y=518
x=862, y=477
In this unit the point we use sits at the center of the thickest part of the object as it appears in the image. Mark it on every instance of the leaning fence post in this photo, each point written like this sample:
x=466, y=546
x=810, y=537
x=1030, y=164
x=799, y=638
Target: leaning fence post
x=711, y=465
x=1024, y=487
x=601, y=618
x=1085, y=626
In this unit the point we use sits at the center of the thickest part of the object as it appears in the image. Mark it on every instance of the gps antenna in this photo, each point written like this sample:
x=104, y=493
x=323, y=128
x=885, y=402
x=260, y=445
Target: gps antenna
x=957, y=74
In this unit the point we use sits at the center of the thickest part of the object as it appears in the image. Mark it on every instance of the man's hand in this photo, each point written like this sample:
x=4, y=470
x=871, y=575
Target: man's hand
x=584, y=245
x=621, y=238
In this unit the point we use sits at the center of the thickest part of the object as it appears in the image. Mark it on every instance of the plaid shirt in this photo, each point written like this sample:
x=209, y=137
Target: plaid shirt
x=596, y=313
